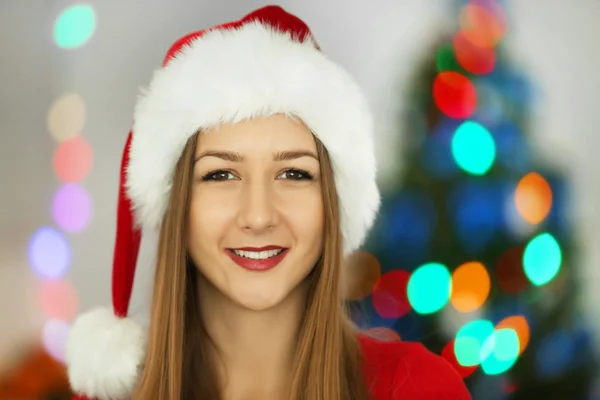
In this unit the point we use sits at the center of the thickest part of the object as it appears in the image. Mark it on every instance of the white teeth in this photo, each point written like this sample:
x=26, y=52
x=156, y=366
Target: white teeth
x=258, y=255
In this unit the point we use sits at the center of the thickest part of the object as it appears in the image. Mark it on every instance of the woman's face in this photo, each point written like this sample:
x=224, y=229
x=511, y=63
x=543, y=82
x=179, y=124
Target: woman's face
x=256, y=212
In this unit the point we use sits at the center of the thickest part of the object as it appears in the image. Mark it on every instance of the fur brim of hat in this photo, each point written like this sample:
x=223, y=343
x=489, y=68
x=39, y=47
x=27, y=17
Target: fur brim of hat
x=231, y=75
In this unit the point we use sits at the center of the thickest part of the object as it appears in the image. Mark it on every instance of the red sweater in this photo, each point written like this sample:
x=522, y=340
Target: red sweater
x=408, y=371
x=405, y=371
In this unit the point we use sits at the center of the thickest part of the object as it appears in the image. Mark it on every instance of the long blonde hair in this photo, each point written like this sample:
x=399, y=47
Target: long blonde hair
x=177, y=366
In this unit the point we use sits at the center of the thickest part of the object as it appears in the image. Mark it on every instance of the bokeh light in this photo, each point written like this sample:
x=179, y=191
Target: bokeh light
x=454, y=94
x=476, y=208
x=542, y=259
x=54, y=338
x=473, y=148
x=390, y=297
x=49, y=253
x=483, y=23
x=533, y=198
x=554, y=353
x=510, y=273
x=436, y=155
x=445, y=59
x=519, y=324
x=470, y=286
x=469, y=343
x=429, y=288
x=474, y=59
x=490, y=108
x=73, y=160
x=512, y=147
x=408, y=227
x=383, y=334
x=503, y=352
x=66, y=117
x=75, y=26
x=450, y=356
x=72, y=208
x=59, y=300
x=361, y=272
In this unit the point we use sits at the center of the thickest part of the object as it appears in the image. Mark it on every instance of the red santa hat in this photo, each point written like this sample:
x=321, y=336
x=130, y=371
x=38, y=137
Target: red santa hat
x=263, y=64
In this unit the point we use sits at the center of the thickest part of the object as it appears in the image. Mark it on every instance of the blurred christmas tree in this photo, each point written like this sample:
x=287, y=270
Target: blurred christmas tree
x=473, y=253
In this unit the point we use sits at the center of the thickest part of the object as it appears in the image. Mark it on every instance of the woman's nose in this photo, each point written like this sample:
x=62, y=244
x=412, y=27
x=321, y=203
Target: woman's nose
x=257, y=208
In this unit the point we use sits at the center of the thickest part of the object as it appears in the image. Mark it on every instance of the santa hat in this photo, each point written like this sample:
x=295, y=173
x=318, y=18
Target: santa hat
x=263, y=64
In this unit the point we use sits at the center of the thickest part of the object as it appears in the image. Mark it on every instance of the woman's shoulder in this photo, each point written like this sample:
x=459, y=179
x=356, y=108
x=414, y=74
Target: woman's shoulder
x=408, y=371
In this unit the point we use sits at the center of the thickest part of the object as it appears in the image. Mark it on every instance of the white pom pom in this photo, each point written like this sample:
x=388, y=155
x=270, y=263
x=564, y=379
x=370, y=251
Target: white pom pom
x=105, y=355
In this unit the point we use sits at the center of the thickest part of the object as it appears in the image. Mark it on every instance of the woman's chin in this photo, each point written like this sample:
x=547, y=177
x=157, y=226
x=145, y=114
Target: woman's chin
x=259, y=301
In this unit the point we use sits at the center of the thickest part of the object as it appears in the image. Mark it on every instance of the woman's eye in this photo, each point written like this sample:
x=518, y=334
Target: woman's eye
x=218, y=176
x=296, y=175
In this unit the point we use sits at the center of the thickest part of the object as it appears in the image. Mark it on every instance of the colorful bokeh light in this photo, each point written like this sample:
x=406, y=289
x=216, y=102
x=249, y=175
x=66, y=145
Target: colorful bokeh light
x=519, y=324
x=510, y=273
x=429, y=288
x=473, y=148
x=454, y=94
x=59, y=300
x=390, y=297
x=533, y=198
x=474, y=59
x=542, y=259
x=54, y=338
x=483, y=23
x=361, y=272
x=450, y=356
x=445, y=59
x=555, y=353
x=73, y=160
x=66, y=117
x=470, y=286
x=469, y=343
x=72, y=208
x=49, y=253
x=502, y=349
x=75, y=26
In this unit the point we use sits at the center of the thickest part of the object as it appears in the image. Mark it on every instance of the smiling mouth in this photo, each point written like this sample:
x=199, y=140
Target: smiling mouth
x=257, y=255
x=262, y=260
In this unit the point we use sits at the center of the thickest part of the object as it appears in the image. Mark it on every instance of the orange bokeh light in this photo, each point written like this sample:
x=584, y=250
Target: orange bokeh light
x=533, y=198
x=361, y=272
x=470, y=286
x=483, y=24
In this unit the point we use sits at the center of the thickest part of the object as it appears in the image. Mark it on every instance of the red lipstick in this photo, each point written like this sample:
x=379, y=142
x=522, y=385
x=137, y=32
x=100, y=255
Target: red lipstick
x=257, y=265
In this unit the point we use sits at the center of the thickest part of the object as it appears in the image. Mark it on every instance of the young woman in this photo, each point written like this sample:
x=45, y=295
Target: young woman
x=252, y=154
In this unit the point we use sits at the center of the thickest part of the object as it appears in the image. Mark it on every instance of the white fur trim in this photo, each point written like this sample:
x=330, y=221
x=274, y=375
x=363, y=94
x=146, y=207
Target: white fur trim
x=232, y=75
x=104, y=355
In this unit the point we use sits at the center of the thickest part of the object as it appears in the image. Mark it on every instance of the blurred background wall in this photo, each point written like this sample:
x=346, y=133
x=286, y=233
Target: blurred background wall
x=66, y=107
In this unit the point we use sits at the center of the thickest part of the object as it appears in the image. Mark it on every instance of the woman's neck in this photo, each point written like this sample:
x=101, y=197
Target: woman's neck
x=255, y=349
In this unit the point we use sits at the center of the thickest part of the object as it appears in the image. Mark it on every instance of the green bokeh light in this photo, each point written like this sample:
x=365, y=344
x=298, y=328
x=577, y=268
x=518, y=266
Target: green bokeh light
x=445, y=60
x=542, y=259
x=473, y=148
x=74, y=26
x=470, y=345
x=504, y=346
x=429, y=288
